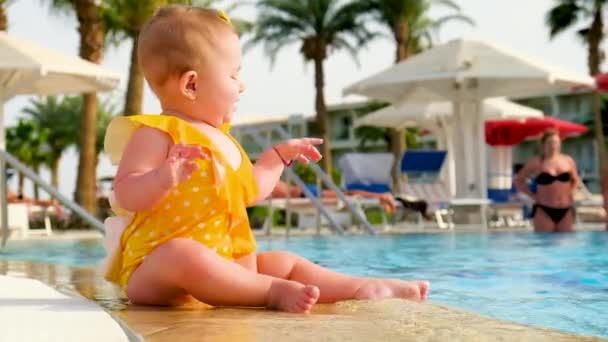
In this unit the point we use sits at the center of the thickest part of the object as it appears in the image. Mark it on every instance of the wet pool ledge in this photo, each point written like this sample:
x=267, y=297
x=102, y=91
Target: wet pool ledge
x=388, y=320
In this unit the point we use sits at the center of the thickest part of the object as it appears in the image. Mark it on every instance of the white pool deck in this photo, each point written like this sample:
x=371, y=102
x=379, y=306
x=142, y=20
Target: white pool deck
x=33, y=311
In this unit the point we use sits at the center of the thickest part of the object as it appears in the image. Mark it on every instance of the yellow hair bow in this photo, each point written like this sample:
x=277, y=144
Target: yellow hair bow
x=224, y=16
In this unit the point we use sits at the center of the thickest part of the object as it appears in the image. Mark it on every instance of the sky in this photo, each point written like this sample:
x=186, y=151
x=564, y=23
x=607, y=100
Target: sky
x=288, y=87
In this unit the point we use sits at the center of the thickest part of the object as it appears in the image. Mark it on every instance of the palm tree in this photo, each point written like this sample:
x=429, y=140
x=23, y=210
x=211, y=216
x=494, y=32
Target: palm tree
x=3, y=18
x=412, y=30
x=571, y=13
x=408, y=21
x=320, y=27
x=91, y=28
x=61, y=116
x=27, y=141
x=130, y=17
x=105, y=113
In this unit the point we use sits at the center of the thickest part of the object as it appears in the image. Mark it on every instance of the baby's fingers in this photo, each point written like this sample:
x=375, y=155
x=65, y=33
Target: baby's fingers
x=302, y=159
x=311, y=153
x=311, y=141
x=188, y=168
x=196, y=152
x=188, y=151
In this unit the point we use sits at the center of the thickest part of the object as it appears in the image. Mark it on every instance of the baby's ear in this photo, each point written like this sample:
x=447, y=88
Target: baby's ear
x=188, y=84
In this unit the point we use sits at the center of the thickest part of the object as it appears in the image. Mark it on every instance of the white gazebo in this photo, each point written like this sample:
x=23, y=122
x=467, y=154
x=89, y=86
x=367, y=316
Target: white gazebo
x=29, y=69
x=437, y=117
x=465, y=72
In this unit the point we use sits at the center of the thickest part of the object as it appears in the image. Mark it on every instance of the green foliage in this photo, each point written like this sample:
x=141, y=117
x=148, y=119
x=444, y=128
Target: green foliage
x=370, y=134
x=125, y=18
x=565, y=14
x=28, y=142
x=318, y=26
x=422, y=30
x=257, y=216
x=572, y=13
x=375, y=216
x=308, y=176
x=62, y=116
x=305, y=172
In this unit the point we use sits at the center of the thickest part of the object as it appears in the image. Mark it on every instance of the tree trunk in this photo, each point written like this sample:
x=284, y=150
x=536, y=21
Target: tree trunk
x=397, y=136
x=401, y=32
x=55, y=173
x=3, y=18
x=135, y=87
x=594, y=38
x=21, y=185
x=398, y=147
x=322, y=119
x=91, y=48
x=36, y=187
x=86, y=188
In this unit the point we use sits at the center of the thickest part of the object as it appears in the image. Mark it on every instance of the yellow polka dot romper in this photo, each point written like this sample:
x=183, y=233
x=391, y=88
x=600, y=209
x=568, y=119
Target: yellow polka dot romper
x=209, y=208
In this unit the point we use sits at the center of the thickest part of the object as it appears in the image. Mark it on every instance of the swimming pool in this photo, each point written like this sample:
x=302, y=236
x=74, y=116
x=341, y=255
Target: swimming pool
x=549, y=280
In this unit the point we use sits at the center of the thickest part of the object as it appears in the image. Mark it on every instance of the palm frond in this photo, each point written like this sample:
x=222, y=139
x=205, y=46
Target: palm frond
x=437, y=23
x=447, y=3
x=563, y=16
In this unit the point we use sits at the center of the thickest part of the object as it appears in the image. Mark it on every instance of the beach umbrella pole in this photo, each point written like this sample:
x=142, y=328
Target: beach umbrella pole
x=3, y=186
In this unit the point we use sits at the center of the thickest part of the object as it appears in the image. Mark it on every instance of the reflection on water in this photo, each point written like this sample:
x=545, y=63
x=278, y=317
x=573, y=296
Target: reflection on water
x=85, y=281
x=391, y=320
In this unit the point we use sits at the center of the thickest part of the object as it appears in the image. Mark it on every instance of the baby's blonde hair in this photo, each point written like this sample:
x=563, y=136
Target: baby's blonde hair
x=178, y=39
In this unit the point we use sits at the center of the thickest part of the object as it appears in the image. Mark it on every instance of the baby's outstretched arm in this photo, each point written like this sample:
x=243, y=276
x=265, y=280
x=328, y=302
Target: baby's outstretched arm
x=150, y=167
x=268, y=168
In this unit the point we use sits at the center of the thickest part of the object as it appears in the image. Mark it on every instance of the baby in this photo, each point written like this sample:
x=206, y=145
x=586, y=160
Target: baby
x=187, y=183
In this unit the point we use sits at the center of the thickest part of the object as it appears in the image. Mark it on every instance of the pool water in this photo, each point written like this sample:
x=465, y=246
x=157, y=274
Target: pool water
x=558, y=281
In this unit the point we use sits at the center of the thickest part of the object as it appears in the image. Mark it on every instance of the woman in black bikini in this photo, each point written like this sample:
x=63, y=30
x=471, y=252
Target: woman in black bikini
x=557, y=178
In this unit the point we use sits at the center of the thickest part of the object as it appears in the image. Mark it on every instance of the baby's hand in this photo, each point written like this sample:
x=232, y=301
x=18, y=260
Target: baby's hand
x=181, y=162
x=302, y=150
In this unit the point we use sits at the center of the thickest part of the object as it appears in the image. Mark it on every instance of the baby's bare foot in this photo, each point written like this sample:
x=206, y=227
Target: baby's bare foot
x=392, y=288
x=291, y=296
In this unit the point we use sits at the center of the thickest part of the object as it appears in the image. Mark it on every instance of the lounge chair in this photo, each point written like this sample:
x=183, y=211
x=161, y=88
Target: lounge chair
x=19, y=219
x=588, y=204
x=306, y=213
x=370, y=172
x=508, y=209
x=422, y=168
x=351, y=167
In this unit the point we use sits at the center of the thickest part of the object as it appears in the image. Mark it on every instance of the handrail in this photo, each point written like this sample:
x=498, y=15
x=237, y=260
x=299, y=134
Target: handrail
x=15, y=163
x=315, y=200
x=329, y=182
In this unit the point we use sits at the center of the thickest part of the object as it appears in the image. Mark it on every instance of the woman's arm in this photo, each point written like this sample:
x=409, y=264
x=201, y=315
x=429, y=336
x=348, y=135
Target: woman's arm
x=575, y=177
x=522, y=176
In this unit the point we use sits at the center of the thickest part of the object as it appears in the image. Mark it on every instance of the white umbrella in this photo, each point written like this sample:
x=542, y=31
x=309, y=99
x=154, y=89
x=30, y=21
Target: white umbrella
x=465, y=72
x=437, y=117
x=26, y=68
x=428, y=114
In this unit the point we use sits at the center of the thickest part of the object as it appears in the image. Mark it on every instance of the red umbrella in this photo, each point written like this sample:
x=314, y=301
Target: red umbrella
x=512, y=132
x=601, y=82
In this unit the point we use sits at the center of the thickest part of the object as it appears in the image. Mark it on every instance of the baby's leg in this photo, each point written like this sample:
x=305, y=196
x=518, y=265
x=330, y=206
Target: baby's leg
x=182, y=267
x=336, y=286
